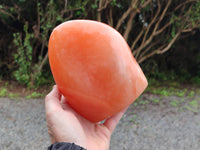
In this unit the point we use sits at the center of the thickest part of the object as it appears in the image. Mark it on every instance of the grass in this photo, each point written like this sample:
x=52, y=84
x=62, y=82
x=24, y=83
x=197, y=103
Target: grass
x=13, y=95
x=143, y=102
x=133, y=119
x=34, y=95
x=162, y=92
x=155, y=100
x=174, y=103
x=175, y=94
x=191, y=94
x=171, y=88
x=167, y=91
x=14, y=90
x=198, y=91
x=193, y=106
x=3, y=92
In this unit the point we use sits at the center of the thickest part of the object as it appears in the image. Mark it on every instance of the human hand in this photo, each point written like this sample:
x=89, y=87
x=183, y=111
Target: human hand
x=66, y=125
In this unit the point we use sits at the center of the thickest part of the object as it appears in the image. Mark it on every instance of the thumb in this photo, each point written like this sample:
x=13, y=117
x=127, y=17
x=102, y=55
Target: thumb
x=52, y=100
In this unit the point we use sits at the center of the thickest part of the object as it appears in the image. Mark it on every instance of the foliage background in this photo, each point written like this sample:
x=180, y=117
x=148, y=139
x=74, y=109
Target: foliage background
x=163, y=35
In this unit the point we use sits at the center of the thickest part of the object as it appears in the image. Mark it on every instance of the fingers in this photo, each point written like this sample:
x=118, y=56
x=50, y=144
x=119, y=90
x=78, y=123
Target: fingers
x=65, y=104
x=63, y=100
x=55, y=100
x=52, y=100
x=54, y=93
x=112, y=122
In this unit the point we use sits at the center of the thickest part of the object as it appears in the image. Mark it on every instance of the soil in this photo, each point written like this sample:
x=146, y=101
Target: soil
x=20, y=90
x=158, y=125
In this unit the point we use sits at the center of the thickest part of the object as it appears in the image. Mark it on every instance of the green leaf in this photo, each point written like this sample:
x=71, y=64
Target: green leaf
x=22, y=1
x=173, y=32
x=94, y=6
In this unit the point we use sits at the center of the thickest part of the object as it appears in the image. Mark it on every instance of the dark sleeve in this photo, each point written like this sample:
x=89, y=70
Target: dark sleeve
x=65, y=146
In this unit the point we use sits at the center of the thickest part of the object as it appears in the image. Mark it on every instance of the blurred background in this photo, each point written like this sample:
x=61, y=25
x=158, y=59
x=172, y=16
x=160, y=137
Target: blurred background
x=164, y=37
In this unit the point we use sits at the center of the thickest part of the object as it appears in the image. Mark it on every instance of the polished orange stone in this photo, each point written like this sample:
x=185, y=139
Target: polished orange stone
x=94, y=69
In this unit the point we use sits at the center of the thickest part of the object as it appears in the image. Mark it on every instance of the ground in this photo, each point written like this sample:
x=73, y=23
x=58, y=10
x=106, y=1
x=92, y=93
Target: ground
x=159, y=120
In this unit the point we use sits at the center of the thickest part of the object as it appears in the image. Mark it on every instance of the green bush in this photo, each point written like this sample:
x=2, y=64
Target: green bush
x=149, y=30
x=23, y=56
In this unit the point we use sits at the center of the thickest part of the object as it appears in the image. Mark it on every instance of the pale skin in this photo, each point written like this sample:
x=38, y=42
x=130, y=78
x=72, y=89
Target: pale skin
x=66, y=125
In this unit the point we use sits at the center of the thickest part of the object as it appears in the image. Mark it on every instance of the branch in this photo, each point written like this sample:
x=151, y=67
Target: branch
x=161, y=49
x=102, y=5
x=145, y=4
x=152, y=22
x=125, y=15
x=163, y=28
x=162, y=15
x=184, y=3
x=7, y=13
x=137, y=38
x=188, y=30
x=65, y=8
x=187, y=34
x=170, y=44
x=99, y=13
x=130, y=21
x=169, y=23
x=42, y=63
x=145, y=43
x=105, y=5
x=110, y=17
x=38, y=20
x=149, y=48
x=149, y=55
x=129, y=25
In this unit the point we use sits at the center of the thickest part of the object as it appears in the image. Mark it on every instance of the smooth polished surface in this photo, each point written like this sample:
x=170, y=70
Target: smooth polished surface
x=94, y=69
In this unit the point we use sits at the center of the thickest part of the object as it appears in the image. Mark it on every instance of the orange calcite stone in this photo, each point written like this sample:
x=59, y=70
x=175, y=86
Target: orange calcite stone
x=94, y=69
